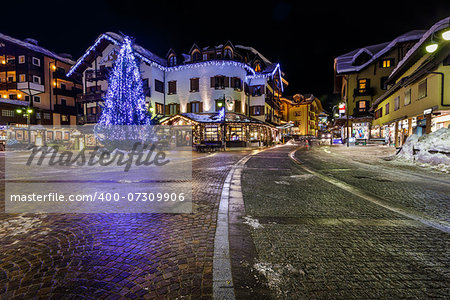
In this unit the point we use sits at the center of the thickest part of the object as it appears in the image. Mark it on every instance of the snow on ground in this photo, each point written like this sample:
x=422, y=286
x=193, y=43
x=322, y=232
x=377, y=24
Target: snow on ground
x=427, y=150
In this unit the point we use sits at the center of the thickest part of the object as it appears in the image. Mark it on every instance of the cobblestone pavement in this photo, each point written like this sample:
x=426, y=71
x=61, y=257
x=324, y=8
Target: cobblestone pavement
x=315, y=240
x=112, y=256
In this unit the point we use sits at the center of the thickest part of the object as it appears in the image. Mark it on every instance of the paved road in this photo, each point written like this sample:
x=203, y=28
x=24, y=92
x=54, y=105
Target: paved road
x=316, y=240
x=117, y=255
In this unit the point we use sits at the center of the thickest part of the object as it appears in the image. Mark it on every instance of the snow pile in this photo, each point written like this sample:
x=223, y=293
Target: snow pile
x=429, y=149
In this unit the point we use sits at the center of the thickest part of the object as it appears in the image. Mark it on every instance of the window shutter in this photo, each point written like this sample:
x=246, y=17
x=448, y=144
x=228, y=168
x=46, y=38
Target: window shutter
x=200, y=107
x=188, y=107
x=213, y=82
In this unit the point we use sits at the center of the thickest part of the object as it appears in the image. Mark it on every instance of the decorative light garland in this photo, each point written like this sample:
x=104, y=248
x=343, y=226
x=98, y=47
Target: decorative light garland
x=124, y=100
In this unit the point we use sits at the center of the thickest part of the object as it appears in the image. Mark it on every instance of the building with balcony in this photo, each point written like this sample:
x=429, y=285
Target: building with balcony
x=202, y=80
x=34, y=78
x=418, y=98
x=303, y=112
x=360, y=77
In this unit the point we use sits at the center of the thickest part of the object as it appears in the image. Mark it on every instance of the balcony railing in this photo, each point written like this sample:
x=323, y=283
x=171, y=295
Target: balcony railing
x=68, y=93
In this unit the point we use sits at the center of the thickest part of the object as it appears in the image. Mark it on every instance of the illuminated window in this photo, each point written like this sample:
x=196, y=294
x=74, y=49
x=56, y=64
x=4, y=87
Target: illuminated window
x=362, y=84
x=21, y=59
x=22, y=78
x=235, y=133
x=387, y=63
x=211, y=133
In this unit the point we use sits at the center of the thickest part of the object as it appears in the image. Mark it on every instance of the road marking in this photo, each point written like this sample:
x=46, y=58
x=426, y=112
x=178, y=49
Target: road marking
x=438, y=224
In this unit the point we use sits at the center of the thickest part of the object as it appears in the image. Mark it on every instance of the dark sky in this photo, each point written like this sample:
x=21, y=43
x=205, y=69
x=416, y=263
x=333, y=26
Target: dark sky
x=303, y=36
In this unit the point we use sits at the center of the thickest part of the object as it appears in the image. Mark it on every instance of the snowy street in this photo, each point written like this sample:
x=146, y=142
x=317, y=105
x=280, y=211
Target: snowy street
x=311, y=222
x=343, y=223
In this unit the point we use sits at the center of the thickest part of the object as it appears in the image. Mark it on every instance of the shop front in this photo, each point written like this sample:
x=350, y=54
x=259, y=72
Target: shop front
x=236, y=130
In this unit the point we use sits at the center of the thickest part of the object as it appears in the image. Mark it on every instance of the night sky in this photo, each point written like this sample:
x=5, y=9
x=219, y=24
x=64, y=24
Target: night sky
x=303, y=36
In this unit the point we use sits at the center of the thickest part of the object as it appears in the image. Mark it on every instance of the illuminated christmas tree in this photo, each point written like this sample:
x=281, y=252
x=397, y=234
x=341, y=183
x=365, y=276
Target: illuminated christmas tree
x=125, y=98
x=124, y=115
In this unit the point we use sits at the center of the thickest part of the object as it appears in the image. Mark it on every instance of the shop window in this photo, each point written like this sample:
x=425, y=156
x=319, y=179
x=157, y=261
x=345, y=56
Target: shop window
x=7, y=113
x=407, y=97
x=235, y=133
x=422, y=93
x=211, y=133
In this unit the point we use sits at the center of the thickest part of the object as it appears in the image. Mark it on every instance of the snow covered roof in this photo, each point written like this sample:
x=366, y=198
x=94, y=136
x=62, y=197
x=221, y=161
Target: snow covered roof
x=444, y=23
x=117, y=39
x=254, y=51
x=26, y=44
x=346, y=62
